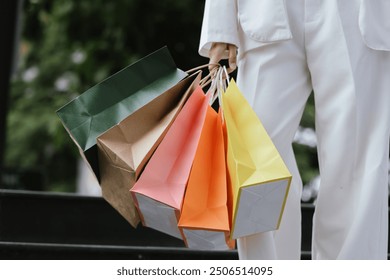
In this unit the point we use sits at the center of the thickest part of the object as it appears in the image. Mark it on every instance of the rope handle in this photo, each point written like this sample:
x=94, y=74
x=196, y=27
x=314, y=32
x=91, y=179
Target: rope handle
x=222, y=80
x=207, y=79
x=203, y=66
x=218, y=78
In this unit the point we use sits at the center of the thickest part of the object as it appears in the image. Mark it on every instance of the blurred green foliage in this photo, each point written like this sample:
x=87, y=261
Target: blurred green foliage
x=68, y=46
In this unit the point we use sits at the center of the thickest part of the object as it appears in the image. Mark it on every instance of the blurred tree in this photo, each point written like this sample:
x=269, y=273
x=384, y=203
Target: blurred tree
x=68, y=46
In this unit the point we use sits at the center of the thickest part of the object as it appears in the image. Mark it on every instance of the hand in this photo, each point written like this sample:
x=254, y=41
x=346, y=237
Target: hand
x=217, y=52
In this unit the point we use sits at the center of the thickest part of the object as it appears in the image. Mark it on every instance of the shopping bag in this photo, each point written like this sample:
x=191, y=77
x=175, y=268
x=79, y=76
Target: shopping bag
x=259, y=178
x=125, y=148
x=109, y=102
x=159, y=191
x=204, y=218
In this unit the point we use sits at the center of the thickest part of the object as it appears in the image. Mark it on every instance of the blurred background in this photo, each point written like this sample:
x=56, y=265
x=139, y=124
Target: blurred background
x=63, y=47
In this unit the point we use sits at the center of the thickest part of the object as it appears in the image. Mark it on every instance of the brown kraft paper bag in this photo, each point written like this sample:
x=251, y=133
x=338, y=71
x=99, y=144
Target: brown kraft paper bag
x=125, y=149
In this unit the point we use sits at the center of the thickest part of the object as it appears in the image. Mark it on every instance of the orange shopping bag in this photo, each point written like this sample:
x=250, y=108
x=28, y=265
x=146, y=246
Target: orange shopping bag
x=159, y=192
x=204, y=218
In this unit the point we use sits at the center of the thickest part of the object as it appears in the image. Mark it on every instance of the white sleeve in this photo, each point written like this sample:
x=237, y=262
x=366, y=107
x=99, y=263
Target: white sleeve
x=219, y=24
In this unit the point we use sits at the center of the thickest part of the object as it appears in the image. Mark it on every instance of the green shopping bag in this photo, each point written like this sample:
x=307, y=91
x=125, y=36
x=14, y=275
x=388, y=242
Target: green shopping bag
x=109, y=102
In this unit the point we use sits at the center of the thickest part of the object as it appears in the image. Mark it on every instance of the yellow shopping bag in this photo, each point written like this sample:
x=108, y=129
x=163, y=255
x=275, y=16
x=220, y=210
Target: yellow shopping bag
x=259, y=178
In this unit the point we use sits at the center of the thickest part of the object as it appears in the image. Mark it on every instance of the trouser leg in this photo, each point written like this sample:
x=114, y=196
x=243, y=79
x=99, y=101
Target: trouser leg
x=367, y=237
x=368, y=234
x=350, y=219
x=275, y=80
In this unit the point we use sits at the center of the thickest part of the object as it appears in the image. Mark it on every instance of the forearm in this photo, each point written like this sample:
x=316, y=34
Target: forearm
x=219, y=25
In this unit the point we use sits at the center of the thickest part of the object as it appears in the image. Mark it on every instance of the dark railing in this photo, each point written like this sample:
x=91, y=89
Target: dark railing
x=39, y=225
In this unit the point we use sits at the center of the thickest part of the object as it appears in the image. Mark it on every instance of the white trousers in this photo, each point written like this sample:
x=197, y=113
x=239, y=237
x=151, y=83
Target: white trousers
x=351, y=85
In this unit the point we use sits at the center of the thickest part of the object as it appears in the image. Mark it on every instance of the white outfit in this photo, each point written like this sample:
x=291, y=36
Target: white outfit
x=340, y=50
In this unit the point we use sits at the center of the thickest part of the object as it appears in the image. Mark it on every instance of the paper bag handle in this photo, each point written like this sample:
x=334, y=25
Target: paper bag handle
x=217, y=77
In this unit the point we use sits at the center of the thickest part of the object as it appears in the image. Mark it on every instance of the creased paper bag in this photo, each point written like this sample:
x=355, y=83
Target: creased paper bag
x=204, y=218
x=125, y=149
x=159, y=191
x=112, y=100
x=259, y=178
